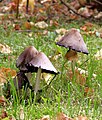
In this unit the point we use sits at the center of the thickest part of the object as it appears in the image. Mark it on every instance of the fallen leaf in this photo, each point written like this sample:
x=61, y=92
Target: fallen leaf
x=80, y=79
x=85, y=12
x=2, y=100
x=81, y=118
x=2, y=78
x=41, y=24
x=27, y=25
x=3, y=114
x=84, y=28
x=98, y=55
x=99, y=16
x=61, y=31
x=46, y=117
x=17, y=27
x=88, y=91
x=5, y=48
x=85, y=72
x=8, y=72
x=55, y=23
x=62, y=116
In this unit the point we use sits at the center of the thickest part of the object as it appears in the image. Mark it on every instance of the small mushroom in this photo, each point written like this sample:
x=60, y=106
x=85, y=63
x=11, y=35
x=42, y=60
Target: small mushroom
x=74, y=41
x=25, y=57
x=40, y=63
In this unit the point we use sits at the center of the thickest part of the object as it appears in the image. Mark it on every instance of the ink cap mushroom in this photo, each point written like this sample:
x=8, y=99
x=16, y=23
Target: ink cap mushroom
x=25, y=57
x=74, y=41
x=40, y=63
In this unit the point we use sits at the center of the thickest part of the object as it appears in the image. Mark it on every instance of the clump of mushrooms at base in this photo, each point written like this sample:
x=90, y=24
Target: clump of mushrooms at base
x=30, y=60
x=73, y=40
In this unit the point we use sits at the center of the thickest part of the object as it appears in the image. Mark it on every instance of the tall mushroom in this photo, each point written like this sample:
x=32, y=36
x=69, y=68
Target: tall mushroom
x=40, y=63
x=25, y=57
x=74, y=41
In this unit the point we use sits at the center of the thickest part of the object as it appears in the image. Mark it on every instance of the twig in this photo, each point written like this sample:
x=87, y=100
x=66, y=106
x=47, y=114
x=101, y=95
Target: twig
x=98, y=2
x=71, y=8
x=27, y=4
x=17, y=11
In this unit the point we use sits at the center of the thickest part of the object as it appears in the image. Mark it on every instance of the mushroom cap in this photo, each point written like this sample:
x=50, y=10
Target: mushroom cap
x=41, y=60
x=25, y=57
x=73, y=40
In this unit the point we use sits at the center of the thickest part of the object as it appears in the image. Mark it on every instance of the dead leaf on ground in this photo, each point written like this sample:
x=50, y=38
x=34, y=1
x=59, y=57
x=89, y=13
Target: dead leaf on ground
x=62, y=116
x=17, y=27
x=8, y=72
x=46, y=117
x=27, y=25
x=3, y=114
x=41, y=24
x=86, y=27
x=61, y=31
x=2, y=78
x=88, y=91
x=81, y=118
x=85, y=72
x=5, y=48
x=98, y=55
x=85, y=12
x=80, y=79
x=2, y=100
x=53, y=22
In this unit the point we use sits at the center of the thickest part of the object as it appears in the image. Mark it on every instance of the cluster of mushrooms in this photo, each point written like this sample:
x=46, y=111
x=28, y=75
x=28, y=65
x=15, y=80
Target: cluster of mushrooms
x=31, y=60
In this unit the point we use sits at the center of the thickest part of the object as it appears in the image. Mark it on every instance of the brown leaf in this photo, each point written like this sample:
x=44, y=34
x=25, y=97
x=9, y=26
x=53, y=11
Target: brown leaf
x=27, y=25
x=17, y=27
x=88, y=91
x=62, y=116
x=46, y=117
x=8, y=72
x=3, y=114
x=2, y=78
x=98, y=55
x=2, y=100
x=80, y=79
x=81, y=118
x=5, y=48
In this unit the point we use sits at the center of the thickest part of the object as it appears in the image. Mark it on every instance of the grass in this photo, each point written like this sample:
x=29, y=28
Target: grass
x=64, y=95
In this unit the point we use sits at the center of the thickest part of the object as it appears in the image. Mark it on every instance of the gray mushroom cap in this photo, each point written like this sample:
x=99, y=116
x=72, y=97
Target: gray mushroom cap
x=42, y=61
x=73, y=40
x=25, y=57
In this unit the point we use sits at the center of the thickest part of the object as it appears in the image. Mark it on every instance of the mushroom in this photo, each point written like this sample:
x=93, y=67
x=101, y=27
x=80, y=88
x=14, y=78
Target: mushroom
x=40, y=63
x=25, y=57
x=74, y=41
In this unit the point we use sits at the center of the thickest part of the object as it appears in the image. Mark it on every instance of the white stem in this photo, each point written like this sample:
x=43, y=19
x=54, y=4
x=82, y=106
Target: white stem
x=37, y=83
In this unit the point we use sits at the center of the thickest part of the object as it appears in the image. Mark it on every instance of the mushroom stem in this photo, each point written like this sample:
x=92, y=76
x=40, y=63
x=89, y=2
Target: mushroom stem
x=37, y=83
x=73, y=67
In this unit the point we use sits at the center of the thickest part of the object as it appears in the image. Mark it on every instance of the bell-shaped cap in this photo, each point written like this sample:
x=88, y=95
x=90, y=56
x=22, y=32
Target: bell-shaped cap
x=73, y=40
x=25, y=57
x=42, y=61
